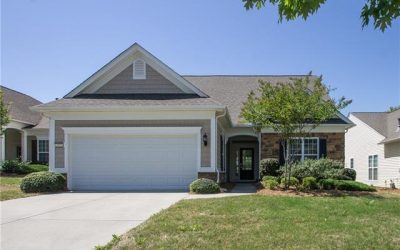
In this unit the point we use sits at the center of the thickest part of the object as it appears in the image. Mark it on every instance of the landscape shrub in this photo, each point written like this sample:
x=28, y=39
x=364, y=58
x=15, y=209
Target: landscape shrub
x=270, y=184
x=43, y=182
x=15, y=167
x=327, y=184
x=320, y=169
x=353, y=186
x=342, y=177
x=294, y=182
x=349, y=172
x=269, y=178
x=269, y=166
x=204, y=186
x=310, y=183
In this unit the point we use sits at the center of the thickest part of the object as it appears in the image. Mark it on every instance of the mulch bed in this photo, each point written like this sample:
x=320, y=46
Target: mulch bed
x=382, y=192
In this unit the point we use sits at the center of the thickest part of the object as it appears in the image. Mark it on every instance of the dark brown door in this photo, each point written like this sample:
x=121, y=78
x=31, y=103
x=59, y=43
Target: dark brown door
x=246, y=164
x=34, y=151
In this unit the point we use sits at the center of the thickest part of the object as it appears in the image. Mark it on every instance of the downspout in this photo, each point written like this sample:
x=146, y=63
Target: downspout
x=216, y=135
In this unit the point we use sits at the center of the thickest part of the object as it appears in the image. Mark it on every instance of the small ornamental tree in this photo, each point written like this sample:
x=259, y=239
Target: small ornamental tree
x=291, y=109
x=4, y=117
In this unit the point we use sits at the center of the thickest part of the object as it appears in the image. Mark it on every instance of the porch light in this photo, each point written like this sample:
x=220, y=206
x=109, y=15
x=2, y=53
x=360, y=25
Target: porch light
x=205, y=139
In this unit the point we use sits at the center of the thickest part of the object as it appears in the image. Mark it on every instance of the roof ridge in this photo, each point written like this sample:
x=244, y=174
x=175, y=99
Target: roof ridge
x=377, y=112
x=19, y=92
x=217, y=75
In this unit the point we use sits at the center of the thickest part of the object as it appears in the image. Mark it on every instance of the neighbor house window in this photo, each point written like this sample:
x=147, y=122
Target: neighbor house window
x=139, y=69
x=43, y=150
x=373, y=167
x=303, y=148
x=221, y=152
x=352, y=163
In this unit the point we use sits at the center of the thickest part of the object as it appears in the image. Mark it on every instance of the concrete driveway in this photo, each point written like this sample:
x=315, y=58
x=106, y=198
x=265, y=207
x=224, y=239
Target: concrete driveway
x=76, y=220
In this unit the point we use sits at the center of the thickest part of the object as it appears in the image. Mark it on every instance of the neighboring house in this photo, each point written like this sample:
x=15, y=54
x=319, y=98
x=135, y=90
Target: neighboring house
x=26, y=135
x=137, y=124
x=373, y=147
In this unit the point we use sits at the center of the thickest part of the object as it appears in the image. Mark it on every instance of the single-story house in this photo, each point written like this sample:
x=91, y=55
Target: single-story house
x=26, y=136
x=373, y=147
x=137, y=124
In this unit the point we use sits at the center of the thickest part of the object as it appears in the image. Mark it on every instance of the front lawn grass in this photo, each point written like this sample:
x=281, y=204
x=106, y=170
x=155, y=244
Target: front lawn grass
x=271, y=222
x=9, y=188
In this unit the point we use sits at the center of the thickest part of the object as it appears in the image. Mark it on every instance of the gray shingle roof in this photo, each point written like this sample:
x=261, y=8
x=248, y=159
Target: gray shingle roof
x=385, y=123
x=230, y=91
x=19, y=106
x=96, y=102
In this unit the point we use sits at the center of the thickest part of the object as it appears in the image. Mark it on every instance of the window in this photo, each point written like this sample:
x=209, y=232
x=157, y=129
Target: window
x=139, y=69
x=373, y=167
x=43, y=151
x=304, y=148
x=352, y=163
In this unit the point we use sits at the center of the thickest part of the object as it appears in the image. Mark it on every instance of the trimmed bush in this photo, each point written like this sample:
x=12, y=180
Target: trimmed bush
x=319, y=169
x=349, y=172
x=15, y=167
x=342, y=177
x=269, y=166
x=327, y=184
x=353, y=186
x=269, y=178
x=43, y=182
x=310, y=183
x=293, y=181
x=270, y=184
x=204, y=186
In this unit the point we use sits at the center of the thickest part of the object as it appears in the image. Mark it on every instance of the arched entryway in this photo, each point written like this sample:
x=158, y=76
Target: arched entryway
x=243, y=158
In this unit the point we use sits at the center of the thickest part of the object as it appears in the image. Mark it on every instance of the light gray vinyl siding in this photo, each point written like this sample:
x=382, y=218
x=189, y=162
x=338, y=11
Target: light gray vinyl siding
x=59, y=133
x=123, y=83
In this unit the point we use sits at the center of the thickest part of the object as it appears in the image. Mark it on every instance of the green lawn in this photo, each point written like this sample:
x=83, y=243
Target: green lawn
x=266, y=222
x=9, y=188
x=9, y=185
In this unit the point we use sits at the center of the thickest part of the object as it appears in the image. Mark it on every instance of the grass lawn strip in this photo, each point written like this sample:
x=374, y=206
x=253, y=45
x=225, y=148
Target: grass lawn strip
x=266, y=222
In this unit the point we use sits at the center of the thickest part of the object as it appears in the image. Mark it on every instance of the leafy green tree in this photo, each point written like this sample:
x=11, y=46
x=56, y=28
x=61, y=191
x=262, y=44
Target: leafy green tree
x=291, y=109
x=394, y=108
x=4, y=116
x=383, y=12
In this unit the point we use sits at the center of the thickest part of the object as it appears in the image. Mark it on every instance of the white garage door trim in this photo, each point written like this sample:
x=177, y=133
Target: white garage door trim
x=156, y=131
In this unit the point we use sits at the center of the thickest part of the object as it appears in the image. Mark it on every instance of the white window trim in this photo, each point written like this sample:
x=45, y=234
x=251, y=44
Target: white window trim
x=302, y=146
x=134, y=76
x=372, y=166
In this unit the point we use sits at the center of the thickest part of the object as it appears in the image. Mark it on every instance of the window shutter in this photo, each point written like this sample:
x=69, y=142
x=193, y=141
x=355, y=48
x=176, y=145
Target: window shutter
x=139, y=69
x=322, y=148
x=281, y=155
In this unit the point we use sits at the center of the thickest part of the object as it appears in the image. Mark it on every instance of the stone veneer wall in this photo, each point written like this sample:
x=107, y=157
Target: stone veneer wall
x=334, y=145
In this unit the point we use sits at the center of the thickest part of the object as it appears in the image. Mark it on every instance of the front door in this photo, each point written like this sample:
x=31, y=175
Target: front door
x=246, y=162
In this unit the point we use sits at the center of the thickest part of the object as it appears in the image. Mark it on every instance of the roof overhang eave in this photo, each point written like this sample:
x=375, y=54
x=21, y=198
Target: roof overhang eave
x=390, y=141
x=130, y=108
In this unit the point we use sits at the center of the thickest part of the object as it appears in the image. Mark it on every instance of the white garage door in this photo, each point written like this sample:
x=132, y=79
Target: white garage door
x=132, y=162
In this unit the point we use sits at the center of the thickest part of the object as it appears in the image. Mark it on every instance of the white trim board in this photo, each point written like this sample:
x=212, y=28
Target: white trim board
x=323, y=128
x=134, y=115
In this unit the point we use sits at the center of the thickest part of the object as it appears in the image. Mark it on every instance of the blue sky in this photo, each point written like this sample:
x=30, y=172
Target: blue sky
x=48, y=47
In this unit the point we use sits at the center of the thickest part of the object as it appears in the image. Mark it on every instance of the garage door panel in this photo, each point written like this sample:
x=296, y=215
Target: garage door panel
x=128, y=162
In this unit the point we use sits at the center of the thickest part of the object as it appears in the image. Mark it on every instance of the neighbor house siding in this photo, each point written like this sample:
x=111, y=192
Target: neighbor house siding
x=124, y=83
x=59, y=133
x=334, y=145
x=363, y=141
